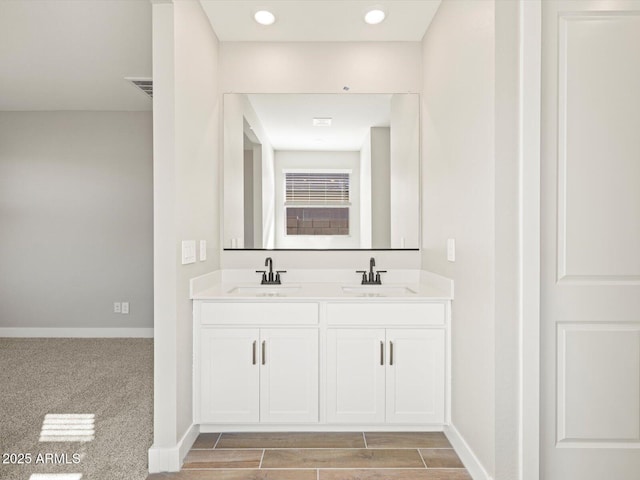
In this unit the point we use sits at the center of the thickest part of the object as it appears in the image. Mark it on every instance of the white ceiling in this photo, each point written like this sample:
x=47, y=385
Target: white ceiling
x=73, y=55
x=288, y=119
x=320, y=20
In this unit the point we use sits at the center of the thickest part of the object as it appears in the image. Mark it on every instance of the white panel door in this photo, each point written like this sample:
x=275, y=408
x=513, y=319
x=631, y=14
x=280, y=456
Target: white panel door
x=289, y=375
x=355, y=375
x=590, y=258
x=415, y=376
x=229, y=375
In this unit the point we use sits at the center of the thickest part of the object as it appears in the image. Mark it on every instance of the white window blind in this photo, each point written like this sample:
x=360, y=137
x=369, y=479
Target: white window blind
x=308, y=188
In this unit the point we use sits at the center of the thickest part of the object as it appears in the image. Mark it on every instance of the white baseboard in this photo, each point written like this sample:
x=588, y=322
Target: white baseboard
x=170, y=459
x=77, y=332
x=468, y=458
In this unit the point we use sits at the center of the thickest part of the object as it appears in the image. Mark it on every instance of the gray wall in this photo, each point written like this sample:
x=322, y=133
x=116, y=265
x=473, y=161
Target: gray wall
x=75, y=219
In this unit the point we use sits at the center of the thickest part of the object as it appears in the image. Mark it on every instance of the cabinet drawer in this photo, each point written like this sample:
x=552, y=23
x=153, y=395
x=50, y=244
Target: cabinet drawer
x=385, y=314
x=222, y=313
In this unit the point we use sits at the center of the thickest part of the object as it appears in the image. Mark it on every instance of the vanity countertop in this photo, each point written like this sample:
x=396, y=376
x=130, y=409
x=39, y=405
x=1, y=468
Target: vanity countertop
x=402, y=286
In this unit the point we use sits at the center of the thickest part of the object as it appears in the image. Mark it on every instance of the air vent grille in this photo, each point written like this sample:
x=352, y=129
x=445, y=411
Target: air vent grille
x=144, y=84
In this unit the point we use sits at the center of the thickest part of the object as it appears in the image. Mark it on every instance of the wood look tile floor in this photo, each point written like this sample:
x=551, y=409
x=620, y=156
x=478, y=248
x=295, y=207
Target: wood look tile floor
x=320, y=456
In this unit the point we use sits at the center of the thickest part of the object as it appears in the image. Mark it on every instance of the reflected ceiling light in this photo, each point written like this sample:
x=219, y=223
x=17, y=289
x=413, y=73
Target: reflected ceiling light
x=264, y=17
x=322, y=122
x=375, y=16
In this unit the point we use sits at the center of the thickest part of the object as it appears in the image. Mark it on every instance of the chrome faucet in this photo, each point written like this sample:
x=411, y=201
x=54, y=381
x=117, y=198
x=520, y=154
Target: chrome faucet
x=373, y=278
x=268, y=278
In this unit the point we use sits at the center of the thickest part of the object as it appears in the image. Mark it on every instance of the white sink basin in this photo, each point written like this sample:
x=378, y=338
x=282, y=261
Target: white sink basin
x=265, y=290
x=378, y=291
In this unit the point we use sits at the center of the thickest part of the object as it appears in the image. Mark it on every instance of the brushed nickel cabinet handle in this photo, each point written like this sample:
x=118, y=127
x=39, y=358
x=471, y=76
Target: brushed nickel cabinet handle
x=254, y=351
x=381, y=352
x=390, y=353
x=264, y=350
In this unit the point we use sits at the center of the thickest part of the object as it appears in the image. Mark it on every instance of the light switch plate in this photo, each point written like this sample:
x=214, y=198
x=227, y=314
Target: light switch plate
x=203, y=250
x=451, y=249
x=125, y=308
x=188, y=252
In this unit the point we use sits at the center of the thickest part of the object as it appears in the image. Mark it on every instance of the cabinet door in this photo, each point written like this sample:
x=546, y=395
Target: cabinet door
x=355, y=375
x=289, y=375
x=415, y=376
x=229, y=377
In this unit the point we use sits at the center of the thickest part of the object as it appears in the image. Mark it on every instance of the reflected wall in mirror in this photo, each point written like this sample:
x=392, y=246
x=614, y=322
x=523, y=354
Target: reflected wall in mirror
x=321, y=171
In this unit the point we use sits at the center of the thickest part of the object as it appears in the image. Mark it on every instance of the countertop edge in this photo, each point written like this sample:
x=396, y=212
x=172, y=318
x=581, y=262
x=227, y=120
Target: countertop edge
x=428, y=287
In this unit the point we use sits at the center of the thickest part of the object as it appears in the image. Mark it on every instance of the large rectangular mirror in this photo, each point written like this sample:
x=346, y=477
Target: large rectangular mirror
x=321, y=171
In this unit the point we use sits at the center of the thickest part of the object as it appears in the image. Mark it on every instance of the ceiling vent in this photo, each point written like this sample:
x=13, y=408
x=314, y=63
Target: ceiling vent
x=144, y=84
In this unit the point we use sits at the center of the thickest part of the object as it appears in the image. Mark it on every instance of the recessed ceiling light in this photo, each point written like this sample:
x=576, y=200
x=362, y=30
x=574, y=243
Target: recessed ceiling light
x=373, y=17
x=322, y=122
x=264, y=17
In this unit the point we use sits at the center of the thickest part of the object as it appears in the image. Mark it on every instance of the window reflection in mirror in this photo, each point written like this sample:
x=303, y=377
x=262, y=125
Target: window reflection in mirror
x=321, y=171
x=317, y=202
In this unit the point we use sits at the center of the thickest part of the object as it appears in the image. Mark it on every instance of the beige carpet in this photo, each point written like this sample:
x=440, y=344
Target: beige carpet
x=109, y=378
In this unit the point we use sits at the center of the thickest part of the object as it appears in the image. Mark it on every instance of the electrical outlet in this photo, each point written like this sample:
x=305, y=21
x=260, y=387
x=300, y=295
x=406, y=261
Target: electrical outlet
x=117, y=307
x=125, y=308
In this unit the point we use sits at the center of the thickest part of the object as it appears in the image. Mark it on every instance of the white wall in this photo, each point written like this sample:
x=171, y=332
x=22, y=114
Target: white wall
x=404, y=172
x=365, y=192
x=233, y=189
x=288, y=159
x=186, y=202
x=315, y=67
x=258, y=223
x=458, y=202
x=75, y=216
x=197, y=115
x=268, y=196
x=165, y=248
x=380, y=187
x=248, y=197
x=237, y=108
x=507, y=206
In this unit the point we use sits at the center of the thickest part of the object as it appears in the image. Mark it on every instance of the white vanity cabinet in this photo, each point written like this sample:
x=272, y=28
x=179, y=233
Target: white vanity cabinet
x=229, y=375
x=299, y=364
x=289, y=375
x=392, y=374
x=356, y=377
x=415, y=376
x=251, y=372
